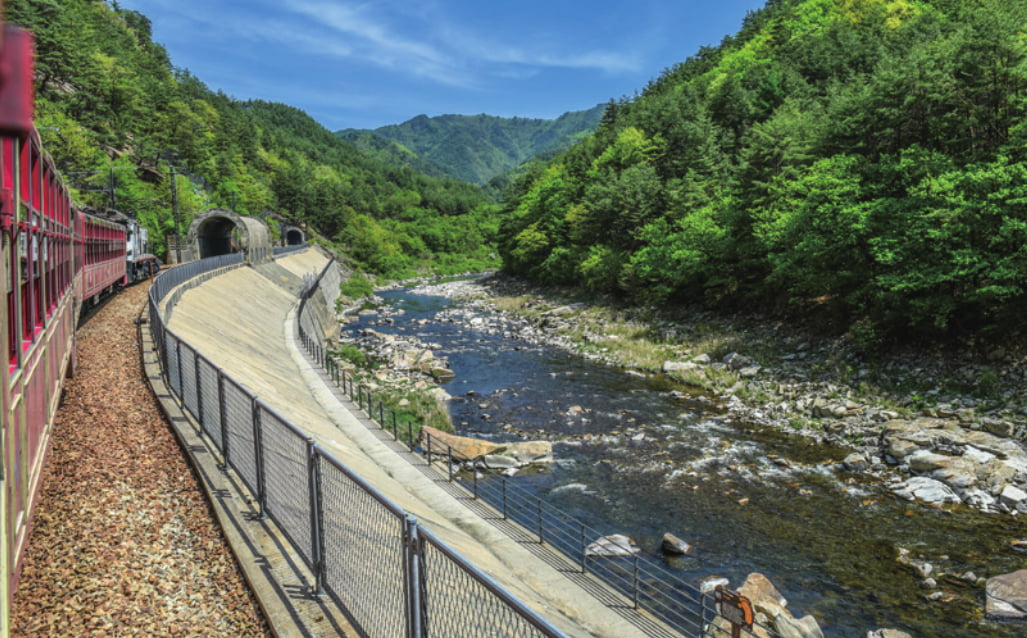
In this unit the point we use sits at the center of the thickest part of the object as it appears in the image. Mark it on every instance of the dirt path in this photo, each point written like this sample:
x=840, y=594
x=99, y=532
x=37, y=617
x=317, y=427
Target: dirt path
x=124, y=543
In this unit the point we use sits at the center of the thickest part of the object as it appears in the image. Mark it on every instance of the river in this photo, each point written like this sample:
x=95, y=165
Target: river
x=632, y=457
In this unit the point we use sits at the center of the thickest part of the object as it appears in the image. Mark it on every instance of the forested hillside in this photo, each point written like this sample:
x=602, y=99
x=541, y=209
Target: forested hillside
x=862, y=163
x=112, y=107
x=476, y=148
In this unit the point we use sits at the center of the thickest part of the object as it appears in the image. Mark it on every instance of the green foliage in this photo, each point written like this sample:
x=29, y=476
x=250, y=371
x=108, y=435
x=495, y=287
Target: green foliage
x=357, y=286
x=472, y=148
x=119, y=102
x=862, y=162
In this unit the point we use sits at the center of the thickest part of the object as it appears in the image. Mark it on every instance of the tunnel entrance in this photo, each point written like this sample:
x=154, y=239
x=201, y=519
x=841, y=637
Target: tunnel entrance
x=221, y=232
x=294, y=237
x=217, y=236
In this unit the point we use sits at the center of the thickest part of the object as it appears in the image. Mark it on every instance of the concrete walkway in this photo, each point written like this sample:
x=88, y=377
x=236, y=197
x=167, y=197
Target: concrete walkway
x=244, y=322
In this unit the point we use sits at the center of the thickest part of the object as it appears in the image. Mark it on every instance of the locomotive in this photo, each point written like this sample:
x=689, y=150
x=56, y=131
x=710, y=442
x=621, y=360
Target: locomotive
x=56, y=260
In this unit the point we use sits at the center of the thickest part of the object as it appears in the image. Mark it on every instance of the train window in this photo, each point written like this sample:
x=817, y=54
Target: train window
x=10, y=305
x=36, y=177
x=25, y=180
x=7, y=159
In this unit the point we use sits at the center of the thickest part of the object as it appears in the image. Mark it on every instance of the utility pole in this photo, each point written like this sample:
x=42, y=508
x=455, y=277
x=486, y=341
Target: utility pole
x=114, y=201
x=174, y=214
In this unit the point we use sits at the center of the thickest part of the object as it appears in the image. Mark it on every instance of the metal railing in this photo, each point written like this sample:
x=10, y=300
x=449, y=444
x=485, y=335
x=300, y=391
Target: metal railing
x=645, y=584
x=391, y=575
x=284, y=250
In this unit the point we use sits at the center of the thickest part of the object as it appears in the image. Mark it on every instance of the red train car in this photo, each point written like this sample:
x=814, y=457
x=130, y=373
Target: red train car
x=39, y=313
x=55, y=259
x=40, y=267
x=102, y=247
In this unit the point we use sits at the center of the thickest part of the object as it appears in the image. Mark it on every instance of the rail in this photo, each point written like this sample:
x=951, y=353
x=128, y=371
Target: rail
x=284, y=250
x=645, y=584
x=357, y=544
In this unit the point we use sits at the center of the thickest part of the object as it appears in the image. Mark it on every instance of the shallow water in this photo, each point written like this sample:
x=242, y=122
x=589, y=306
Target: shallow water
x=633, y=459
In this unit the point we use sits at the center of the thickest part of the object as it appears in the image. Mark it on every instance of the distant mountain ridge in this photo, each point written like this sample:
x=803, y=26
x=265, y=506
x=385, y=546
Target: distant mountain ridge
x=472, y=148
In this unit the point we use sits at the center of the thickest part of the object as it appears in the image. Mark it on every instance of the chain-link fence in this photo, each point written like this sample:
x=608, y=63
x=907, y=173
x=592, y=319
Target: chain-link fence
x=392, y=576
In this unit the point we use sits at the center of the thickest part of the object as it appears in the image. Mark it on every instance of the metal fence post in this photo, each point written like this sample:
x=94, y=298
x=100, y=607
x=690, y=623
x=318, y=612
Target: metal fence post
x=584, y=551
x=634, y=581
x=539, y=505
x=199, y=390
x=316, y=520
x=178, y=351
x=223, y=412
x=258, y=449
x=412, y=576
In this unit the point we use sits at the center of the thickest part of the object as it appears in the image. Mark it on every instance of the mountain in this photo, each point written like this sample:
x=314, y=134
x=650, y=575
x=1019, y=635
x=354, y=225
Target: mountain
x=114, y=112
x=473, y=148
x=860, y=163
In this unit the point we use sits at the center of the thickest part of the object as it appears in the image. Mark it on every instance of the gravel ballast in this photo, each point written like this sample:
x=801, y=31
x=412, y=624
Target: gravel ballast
x=124, y=542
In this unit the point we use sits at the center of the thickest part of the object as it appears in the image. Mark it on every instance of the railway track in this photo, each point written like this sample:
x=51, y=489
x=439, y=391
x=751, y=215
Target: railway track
x=124, y=543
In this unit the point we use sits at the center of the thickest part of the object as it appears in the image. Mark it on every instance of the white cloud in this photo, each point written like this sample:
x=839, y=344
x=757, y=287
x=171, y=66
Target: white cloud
x=371, y=39
x=444, y=51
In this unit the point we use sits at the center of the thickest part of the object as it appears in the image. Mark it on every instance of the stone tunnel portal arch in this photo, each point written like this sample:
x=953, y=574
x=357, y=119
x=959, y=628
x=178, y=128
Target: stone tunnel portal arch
x=294, y=237
x=217, y=236
x=221, y=232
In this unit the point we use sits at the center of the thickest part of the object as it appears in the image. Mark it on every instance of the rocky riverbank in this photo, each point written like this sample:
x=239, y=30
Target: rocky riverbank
x=940, y=430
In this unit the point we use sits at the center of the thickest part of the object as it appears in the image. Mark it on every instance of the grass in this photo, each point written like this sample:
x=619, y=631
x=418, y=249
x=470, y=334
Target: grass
x=411, y=404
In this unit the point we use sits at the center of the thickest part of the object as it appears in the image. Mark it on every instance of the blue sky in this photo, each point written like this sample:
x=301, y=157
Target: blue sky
x=365, y=64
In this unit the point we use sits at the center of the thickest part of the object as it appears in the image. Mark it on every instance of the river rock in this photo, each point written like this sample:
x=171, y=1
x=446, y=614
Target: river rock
x=443, y=375
x=976, y=465
x=749, y=371
x=758, y=587
x=528, y=452
x=887, y=633
x=1007, y=596
x=735, y=361
x=856, y=462
x=711, y=583
x=612, y=545
x=771, y=609
x=928, y=490
x=500, y=462
x=679, y=366
x=1012, y=496
x=463, y=447
x=673, y=545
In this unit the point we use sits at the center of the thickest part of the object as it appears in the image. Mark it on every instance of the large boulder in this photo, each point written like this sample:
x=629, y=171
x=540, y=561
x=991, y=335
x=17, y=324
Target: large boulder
x=527, y=452
x=1007, y=596
x=463, y=448
x=928, y=490
x=612, y=545
x=771, y=609
x=673, y=545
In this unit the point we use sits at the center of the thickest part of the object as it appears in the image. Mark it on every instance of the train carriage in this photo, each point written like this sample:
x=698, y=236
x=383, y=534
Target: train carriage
x=53, y=257
x=103, y=255
x=39, y=316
